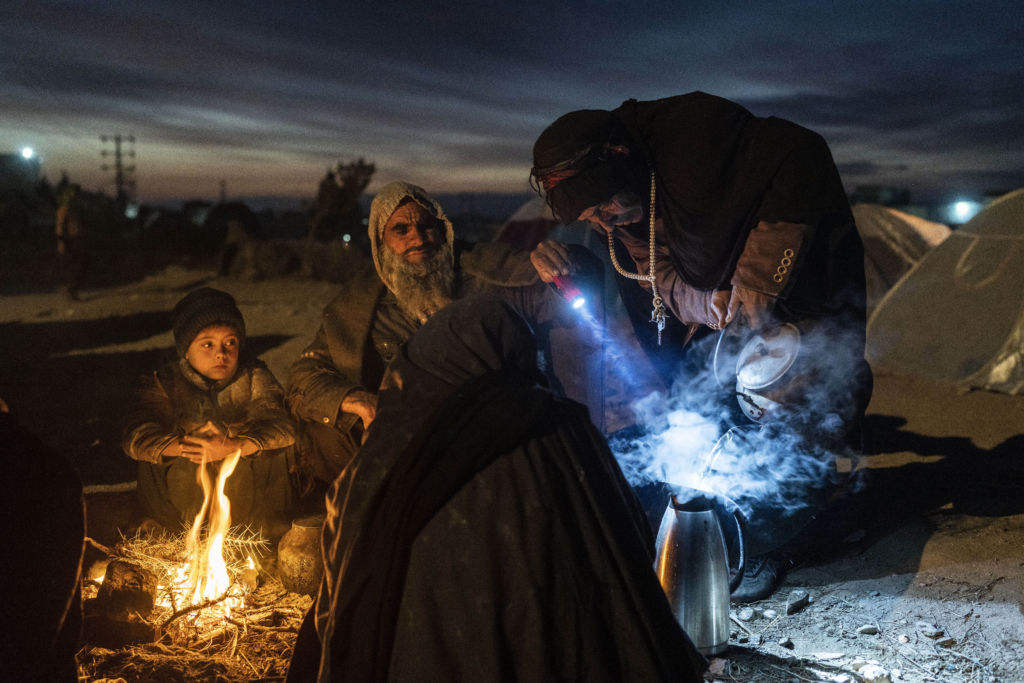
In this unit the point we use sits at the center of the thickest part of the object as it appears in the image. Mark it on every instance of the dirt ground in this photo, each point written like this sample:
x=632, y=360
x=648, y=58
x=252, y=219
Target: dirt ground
x=934, y=538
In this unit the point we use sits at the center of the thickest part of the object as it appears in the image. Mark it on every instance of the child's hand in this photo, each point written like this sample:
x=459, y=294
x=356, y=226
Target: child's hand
x=214, y=448
x=179, y=448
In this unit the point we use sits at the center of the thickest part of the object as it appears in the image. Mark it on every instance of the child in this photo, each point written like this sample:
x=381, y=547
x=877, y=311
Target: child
x=213, y=399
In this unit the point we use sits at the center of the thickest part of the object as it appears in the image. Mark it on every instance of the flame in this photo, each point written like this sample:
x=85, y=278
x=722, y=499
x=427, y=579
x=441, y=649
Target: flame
x=204, y=576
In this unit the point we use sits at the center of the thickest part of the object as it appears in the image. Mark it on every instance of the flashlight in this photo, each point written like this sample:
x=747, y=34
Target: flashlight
x=568, y=290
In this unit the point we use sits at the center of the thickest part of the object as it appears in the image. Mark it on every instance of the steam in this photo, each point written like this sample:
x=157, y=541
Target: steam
x=694, y=437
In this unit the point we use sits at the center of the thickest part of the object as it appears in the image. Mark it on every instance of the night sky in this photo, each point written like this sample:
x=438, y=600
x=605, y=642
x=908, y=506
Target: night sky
x=924, y=95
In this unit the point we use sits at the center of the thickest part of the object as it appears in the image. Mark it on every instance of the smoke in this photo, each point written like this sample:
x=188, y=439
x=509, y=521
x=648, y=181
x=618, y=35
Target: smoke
x=778, y=472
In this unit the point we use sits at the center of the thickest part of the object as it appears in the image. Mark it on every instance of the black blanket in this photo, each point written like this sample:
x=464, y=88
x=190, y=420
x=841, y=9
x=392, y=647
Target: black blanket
x=498, y=541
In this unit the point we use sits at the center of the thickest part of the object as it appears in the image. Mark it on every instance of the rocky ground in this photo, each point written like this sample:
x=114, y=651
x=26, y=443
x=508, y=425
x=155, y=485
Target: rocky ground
x=922, y=579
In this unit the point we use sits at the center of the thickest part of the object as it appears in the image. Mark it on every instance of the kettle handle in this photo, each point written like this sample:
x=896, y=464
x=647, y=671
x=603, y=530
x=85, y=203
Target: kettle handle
x=741, y=531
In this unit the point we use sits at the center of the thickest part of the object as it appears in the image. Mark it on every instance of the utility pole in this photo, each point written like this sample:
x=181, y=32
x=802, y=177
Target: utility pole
x=124, y=175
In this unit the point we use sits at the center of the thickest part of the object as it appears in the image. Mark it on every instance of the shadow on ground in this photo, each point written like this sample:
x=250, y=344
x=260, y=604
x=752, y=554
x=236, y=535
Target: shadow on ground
x=896, y=505
x=75, y=402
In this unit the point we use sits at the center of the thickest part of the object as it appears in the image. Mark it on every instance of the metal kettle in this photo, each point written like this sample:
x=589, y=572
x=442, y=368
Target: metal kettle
x=693, y=568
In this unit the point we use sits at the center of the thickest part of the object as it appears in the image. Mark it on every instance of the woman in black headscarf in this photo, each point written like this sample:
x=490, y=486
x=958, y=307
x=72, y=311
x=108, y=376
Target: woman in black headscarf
x=485, y=532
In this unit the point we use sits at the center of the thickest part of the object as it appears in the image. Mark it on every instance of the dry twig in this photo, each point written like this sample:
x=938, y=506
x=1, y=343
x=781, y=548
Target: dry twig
x=99, y=546
x=197, y=607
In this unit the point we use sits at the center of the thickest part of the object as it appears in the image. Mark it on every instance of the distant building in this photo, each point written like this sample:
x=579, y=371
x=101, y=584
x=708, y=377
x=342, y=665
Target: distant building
x=18, y=172
x=885, y=195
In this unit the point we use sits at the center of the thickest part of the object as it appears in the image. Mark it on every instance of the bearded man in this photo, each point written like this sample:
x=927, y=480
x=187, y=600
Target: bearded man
x=419, y=268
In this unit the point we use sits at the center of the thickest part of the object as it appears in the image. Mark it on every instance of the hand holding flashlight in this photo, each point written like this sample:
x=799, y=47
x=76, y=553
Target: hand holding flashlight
x=551, y=259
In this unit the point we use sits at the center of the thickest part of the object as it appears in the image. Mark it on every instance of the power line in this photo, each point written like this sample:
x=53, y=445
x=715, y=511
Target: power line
x=124, y=174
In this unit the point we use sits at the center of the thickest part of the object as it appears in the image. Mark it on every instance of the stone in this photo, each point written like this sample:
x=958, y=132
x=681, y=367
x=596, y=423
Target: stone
x=797, y=600
x=903, y=638
x=929, y=630
x=126, y=588
x=249, y=578
x=946, y=642
x=875, y=594
x=744, y=638
x=745, y=614
x=874, y=673
x=718, y=666
x=868, y=630
x=786, y=643
x=770, y=614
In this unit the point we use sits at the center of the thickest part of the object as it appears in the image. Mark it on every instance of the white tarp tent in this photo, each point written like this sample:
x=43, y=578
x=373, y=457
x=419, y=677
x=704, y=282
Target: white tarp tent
x=959, y=315
x=894, y=242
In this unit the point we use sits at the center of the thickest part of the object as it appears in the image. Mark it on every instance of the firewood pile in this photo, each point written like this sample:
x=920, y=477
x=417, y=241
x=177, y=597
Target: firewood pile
x=137, y=628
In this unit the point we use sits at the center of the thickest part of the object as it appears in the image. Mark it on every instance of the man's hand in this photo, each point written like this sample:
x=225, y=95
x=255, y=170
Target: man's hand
x=551, y=259
x=718, y=309
x=755, y=305
x=361, y=403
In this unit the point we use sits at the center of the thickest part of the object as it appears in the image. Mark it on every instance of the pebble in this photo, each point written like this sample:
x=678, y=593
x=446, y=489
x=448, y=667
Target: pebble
x=875, y=594
x=770, y=614
x=797, y=600
x=718, y=666
x=744, y=638
x=874, y=673
x=745, y=614
x=787, y=643
x=868, y=630
x=929, y=630
x=946, y=642
x=903, y=638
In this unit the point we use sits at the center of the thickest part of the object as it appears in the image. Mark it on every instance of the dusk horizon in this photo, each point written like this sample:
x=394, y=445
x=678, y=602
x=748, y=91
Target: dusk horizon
x=267, y=99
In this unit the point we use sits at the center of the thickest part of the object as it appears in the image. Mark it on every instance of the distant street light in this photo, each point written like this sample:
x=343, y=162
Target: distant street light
x=964, y=210
x=27, y=152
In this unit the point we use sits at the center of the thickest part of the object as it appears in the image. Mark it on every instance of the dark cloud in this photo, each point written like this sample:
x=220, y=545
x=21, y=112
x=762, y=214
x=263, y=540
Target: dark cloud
x=454, y=94
x=853, y=169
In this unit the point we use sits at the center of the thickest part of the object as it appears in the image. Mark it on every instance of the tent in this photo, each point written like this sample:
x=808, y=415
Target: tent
x=959, y=315
x=531, y=223
x=894, y=242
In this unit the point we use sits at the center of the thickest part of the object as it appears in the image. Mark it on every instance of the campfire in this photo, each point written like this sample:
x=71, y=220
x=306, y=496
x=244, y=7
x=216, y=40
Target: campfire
x=193, y=604
x=203, y=581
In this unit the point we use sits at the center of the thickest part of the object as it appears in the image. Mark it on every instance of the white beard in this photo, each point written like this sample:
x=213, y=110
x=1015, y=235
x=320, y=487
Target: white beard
x=422, y=289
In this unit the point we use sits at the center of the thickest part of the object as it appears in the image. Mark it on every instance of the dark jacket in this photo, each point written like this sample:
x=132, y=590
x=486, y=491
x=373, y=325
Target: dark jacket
x=742, y=201
x=722, y=171
x=176, y=401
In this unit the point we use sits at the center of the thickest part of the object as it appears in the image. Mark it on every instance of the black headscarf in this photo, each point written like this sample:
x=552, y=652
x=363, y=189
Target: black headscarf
x=587, y=144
